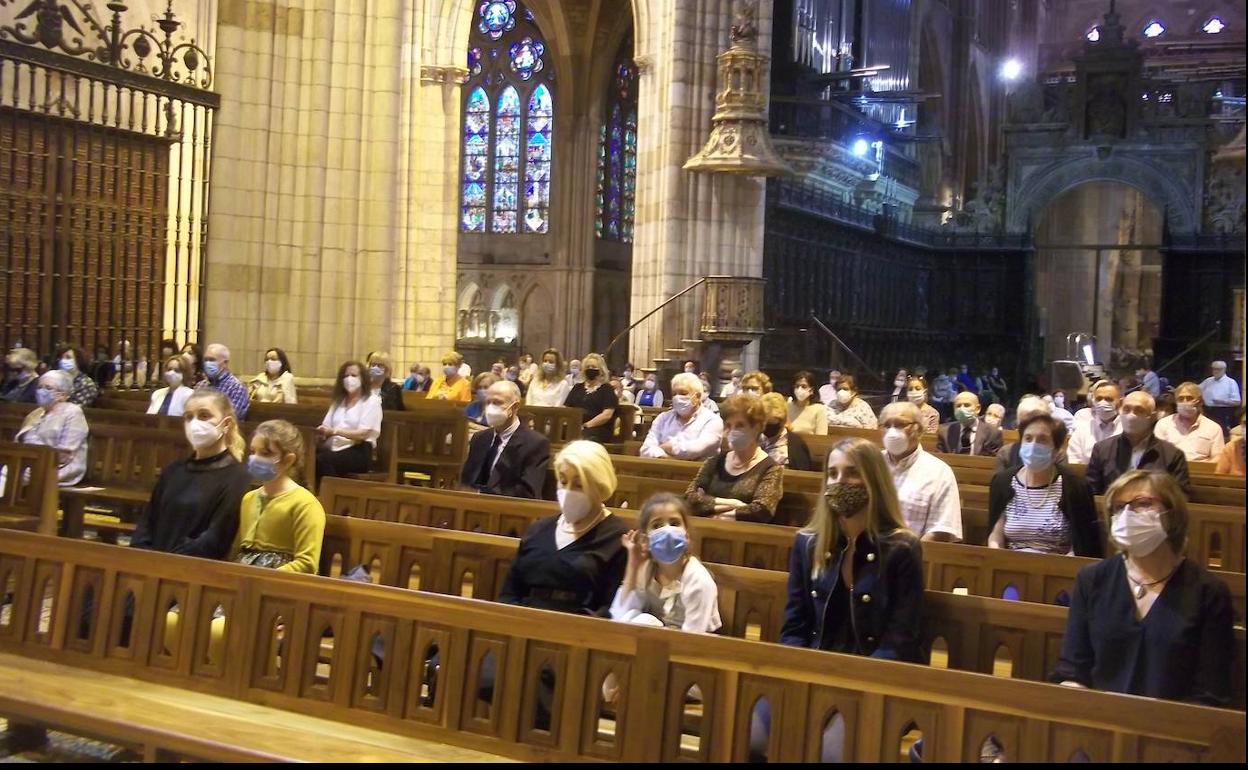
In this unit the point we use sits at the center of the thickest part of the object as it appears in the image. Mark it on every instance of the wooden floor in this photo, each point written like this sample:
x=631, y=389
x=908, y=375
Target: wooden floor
x=64, y=691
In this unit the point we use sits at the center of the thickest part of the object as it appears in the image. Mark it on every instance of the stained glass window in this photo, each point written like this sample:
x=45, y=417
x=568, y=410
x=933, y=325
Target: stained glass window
x=509, y=113
x=617, y=154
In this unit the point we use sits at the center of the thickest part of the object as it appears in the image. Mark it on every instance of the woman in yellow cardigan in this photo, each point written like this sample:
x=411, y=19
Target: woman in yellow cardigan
x=281, y=523
x=451, y=386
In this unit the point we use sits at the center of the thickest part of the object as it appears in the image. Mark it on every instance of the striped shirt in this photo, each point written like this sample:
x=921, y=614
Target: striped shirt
x=1034, y=520
x=234, y=390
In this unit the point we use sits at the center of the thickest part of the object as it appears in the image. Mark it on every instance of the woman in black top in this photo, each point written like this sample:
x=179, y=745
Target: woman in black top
x=781, y=444
x=744, y=483
x=1148, y=621
x=596, y=399
x=379, y=371
x=572, y=562
x=194, y=507
x=1042, y=506
x=855, y=576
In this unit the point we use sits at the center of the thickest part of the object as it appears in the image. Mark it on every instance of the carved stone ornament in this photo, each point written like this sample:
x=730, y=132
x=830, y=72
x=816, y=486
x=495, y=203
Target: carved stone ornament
x=740, y=140
x=443, y=75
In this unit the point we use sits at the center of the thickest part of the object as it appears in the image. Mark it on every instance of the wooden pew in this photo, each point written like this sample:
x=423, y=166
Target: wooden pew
x=972, y=629
x=560, y=424
x=275, y=626
x=949, y=567
x=28, y=488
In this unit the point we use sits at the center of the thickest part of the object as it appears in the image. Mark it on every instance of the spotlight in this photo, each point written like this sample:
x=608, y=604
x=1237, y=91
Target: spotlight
x=1011, y=69
x=860, y=147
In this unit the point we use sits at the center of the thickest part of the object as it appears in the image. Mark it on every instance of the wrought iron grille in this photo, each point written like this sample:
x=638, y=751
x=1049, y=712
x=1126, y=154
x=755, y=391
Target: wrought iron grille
x=105, y=161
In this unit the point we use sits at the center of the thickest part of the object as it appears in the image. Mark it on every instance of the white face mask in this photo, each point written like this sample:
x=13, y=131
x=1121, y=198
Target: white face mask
x=896, y=441
x=740, y=439
x=682, y=404
x=174, y=378
x=843, y=397
x=1106, y=410
x=1139, y=533
x=801, y=394
x=273, y=367
x=1059, y=401
x=993, y=420
x=351, y=383
x=202, y=434
x=548, y=367
x=1187, y=411
x=917, y=396
x=574, y=504
x=1135, y=424
x=496, y=416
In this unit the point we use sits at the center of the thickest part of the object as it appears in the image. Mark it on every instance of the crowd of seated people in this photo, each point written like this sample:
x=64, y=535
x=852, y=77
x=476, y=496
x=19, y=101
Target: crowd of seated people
x=1143, y=619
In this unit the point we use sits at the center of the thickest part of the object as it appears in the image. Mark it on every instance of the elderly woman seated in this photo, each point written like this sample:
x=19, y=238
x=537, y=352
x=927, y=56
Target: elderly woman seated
x=60, y=425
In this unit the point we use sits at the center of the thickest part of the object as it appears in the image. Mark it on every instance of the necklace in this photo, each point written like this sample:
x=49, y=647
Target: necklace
x=1039, y=498
x=1141, y=587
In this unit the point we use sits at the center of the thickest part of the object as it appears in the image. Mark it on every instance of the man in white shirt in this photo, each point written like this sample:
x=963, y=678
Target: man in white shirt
x=1056, y=409
x=926, y=487
x=1105, y=399
x=827, y=393
x=687, y=431
x=734, y=386
x=1199, y=437
x=1221, y=395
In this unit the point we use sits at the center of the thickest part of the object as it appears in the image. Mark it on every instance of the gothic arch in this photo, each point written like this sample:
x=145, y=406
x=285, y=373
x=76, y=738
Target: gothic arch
x=1029, y=196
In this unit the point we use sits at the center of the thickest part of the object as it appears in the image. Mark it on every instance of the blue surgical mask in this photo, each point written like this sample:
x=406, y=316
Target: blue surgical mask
x=668, y=544
x=45, y=397
x=1037, y=457
x=261, y=469
x=69, y=365
x=212, y=368
x=376, y=371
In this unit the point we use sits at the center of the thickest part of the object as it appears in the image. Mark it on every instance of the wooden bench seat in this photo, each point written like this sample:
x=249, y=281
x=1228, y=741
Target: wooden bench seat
x=275, y=623
x=949, y=566
x=169, y=724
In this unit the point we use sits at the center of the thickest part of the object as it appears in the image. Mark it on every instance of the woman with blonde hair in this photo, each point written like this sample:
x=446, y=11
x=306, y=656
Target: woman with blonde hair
x=548, y=386
x=779, y=440
x=596, y=399
x=1148, y=621
x=380, y=372
x=573, y=562
x=855, y=577
x=171, y=400
x=856, y=556
x=194, y=507
x=281, y=523
x=451, y=385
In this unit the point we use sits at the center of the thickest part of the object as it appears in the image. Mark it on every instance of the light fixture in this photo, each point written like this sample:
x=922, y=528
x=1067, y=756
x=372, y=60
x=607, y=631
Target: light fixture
x=1094, y=35
x=860, y=147
x=1011, y=69
x=1087, y=354
x=1213, y=26
x=1154, y=29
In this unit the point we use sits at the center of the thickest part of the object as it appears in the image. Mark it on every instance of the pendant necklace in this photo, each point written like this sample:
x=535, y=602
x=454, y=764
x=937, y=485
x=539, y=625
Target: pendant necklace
x=1141, y=588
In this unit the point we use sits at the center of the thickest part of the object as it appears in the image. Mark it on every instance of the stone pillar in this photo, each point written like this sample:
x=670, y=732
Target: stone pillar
x=332, y=225
x=688, y=225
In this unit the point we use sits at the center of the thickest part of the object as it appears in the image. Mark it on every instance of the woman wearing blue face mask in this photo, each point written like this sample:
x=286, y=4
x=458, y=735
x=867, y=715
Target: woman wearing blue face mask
x=73, y=362
x=475, y=411
x=665, y=585
x=650, y=394
x=379, y=368
x=1042, y=506
x=60, y=425
x=280, y=525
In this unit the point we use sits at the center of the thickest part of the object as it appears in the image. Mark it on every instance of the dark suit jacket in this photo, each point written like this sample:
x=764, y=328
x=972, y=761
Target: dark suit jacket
x=521, y=467
x=1112, y=457
x=987, y=439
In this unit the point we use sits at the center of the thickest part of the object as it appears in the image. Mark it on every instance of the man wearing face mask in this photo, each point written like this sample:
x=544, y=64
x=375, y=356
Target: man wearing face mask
x=219, y=377
x=970, y=434
x=60, y=425
x=1199, y=438
x=509, y=459
x=687, y=431
x=1105, y=399
x=926, y=486
x=1135, y=448
x=1148, y=379
x=1221, y=395
x=734, y=385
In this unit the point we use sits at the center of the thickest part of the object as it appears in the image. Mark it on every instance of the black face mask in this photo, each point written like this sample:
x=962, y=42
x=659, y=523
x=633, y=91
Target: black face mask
x=592, y=374
x=771, y=430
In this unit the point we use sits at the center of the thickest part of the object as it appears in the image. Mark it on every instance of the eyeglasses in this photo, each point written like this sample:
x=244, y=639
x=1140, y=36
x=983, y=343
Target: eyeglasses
x=897, y=424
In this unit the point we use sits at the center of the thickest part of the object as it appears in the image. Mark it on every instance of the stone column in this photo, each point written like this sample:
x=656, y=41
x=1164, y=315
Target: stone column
x=688, y=225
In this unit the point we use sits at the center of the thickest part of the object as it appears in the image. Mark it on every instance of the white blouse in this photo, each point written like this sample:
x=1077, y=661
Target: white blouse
x=176, y=406
x=543, y=394
x=690, y=604
x=365, y=413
